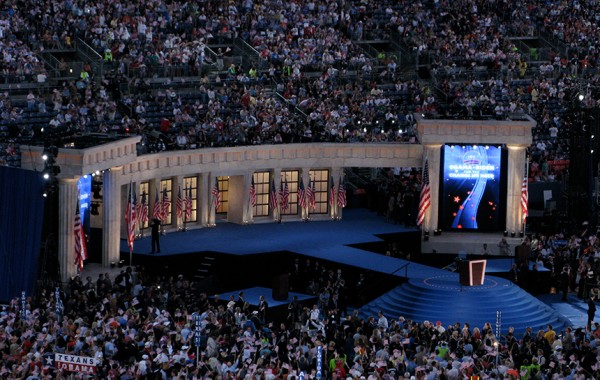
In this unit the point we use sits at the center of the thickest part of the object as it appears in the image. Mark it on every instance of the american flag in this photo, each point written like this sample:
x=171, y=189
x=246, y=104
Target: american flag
x=284, y=195
x=301, y=194
x=188, y=203
x=80, y=248
x=425, y=198
x=311, y=194
x=138, y=209
x=341, y=194
x=165, y=205
x=130, y=218
x=143, y=215
x=179, y=204
x=156, y=211
x=332, y=193
x=216, y=194
x=252, y=193
x=273, y=196
x=525, y=197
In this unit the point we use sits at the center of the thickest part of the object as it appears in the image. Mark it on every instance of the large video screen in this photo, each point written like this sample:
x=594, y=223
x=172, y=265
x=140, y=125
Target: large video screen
x=471, y=188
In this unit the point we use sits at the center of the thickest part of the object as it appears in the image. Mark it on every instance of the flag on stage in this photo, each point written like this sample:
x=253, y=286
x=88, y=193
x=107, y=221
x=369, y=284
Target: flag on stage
x=252, y=193
x=80, y=248
x=143, y=215
x=156, y=211
x=165, y=205
x=284, y=195
x=332, y=193
x=301, y=194
x=311, y=194
x=188, y=203
x=425, y=198
x=138, y=209
x=179, y=204
x=130, y=217
x=216, y=194
x=273, y=195
x=341, y=194
x=525, y=197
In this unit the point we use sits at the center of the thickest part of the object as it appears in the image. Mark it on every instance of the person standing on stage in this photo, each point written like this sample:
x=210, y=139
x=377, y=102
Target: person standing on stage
x=564, y=282
x=591, y=311
x=263, y=306
x=155, y=235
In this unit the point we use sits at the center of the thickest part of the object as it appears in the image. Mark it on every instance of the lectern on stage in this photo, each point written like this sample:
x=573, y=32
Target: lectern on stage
x=472, y=272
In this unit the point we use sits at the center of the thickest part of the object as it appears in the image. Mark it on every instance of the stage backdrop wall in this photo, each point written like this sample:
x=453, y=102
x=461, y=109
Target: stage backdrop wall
x=21, y=219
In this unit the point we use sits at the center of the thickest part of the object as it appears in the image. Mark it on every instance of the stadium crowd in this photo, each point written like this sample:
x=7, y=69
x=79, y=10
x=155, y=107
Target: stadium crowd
x=309, y=83
x=137, y=327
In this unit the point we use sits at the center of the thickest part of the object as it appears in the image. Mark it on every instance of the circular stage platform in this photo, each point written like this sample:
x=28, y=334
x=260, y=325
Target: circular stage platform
x=450, y=282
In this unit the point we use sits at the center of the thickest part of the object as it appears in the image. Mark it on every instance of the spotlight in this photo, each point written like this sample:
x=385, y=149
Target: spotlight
x=426, y=236
x=46, y=175
x=113, y=264
x=44, y=156
x=513, y=234
x=505, y=233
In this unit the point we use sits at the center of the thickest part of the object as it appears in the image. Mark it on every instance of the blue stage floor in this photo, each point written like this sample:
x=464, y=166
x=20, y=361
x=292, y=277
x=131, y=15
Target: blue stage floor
x=251, y=295
x=327, y=240
x=504, y=265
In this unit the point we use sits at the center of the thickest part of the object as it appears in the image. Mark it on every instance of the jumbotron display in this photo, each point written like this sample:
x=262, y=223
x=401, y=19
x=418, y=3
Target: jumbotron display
x=471, y=188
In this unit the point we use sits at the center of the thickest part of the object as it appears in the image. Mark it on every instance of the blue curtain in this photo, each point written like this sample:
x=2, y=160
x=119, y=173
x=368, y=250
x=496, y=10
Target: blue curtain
x=21, y=219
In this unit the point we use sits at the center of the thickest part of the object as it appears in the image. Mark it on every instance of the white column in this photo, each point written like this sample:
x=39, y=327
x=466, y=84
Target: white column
x=237, y=205
x=177, y=185
x=432, y=153
x=67, y=201
x=113, y=216
x=516, y=172
x=204, y=200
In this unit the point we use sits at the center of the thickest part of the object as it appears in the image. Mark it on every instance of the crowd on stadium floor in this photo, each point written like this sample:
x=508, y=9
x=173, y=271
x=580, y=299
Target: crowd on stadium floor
x=137, y=327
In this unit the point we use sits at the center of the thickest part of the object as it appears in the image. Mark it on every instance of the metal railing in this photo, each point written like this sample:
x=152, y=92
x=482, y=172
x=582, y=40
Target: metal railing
x=251, y=53
x=94, y=58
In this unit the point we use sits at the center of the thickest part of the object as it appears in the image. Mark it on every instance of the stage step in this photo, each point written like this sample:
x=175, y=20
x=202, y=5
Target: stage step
x=205, y=268
x=442, y=299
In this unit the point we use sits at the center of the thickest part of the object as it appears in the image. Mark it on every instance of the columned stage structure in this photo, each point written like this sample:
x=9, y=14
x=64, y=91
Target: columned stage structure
x=118, y=165
x=516, y=135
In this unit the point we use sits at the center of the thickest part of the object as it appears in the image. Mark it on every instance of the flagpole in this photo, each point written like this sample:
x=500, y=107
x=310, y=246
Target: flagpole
x=524, y=218
x=185, y=221
x=130, y=214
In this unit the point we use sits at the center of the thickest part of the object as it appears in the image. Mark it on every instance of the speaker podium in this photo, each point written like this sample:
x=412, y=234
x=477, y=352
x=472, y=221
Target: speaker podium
x=472, y=272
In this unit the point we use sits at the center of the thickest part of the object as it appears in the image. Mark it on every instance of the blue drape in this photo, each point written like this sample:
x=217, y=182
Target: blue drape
x=21, y=219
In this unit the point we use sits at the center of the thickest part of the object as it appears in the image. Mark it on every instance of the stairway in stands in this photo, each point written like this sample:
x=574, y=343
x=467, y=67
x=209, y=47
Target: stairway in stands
x=442, y=299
